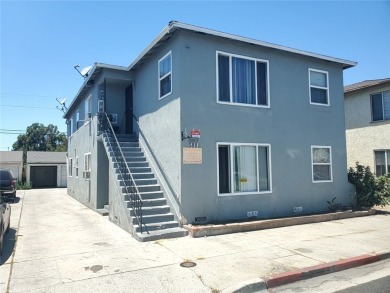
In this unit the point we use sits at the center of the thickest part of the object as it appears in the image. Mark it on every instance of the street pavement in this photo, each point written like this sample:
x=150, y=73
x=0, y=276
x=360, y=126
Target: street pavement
x=63, y=246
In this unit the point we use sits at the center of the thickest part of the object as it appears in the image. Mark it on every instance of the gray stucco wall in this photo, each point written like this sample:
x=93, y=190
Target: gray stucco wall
x=84, y=141
x=291, y=125
x=160, y=119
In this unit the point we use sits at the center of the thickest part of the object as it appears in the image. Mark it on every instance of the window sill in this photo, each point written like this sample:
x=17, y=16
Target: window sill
x=243, y=105
x=323, y=181
x=245, y=193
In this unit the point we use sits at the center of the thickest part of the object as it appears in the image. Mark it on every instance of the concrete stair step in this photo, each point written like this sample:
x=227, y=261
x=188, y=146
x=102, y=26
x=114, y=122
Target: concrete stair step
x=154, y=202
x=140, y=169
x=155, y=219
x=133, y=164
x=147, y=181
x=161, y=234
x=146, y=195
x=102, y=212
x=164, y=209
x=157, y=226
x=146, y=175
x=148, y=188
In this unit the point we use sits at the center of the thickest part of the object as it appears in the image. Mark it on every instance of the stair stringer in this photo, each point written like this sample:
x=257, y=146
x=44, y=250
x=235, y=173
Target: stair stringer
x=169, y=193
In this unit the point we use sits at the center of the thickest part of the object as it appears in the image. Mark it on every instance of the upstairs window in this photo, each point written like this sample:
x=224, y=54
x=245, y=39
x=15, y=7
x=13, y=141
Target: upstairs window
x=382, y=163
x=165, y=75
x=242, y=80
x=321, y=163
x=88, y=108
x=319, y=89
x=380, y=106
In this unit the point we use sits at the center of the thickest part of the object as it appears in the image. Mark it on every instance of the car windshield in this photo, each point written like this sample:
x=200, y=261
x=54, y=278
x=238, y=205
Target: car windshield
x=5, y=175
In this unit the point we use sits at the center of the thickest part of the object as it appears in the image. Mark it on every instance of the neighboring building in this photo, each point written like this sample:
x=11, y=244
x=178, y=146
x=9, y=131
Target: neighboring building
x=367, y=121
x=226, y=128
x=46, y=169
x=12, y=160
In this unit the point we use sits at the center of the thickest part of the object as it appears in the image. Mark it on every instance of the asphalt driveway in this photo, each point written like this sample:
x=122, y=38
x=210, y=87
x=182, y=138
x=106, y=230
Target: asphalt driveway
x=63, y=246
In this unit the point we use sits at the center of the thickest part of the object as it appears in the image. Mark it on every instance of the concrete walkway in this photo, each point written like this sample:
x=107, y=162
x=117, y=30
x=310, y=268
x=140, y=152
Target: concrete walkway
x=63, y=246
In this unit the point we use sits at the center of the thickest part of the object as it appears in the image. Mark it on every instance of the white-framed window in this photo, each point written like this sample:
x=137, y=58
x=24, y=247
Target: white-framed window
x=88, y=107
x=165, y=75
x=319, y=87
x=244, y=168
x=70, y=167
x=321, y=158
x=77, y=119
x=380, y=106
x=87, y=166
x=242, y=80
x=70, y=127
x=382, y=163
x=76, y=167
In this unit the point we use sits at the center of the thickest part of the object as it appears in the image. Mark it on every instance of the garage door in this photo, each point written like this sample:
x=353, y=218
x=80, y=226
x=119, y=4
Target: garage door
x=43, y=176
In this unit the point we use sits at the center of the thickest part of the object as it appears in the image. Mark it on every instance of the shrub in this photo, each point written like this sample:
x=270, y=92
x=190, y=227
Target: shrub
x=23, y=185
x=370, y=191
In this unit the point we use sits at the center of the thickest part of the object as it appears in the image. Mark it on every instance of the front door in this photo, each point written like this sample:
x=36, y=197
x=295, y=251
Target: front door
x=129, y=109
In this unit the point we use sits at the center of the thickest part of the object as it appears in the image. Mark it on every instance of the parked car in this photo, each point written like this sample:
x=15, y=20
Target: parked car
x=7, y=181
x=5, y=221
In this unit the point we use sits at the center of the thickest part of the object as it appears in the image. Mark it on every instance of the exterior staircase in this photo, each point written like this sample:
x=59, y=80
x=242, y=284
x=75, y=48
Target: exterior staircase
x=157, y=219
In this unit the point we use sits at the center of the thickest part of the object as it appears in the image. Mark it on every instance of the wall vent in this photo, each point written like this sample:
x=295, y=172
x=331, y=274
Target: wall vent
x=200, y=220
x=252, y=214
x=298, y=209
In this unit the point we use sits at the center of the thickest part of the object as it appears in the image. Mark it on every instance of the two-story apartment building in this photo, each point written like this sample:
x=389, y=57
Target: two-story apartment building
x=367, y=121
x=205, y=126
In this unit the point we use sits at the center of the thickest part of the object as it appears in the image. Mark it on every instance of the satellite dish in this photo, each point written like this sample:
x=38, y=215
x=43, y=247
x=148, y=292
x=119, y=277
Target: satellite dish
x=62, y=101
x=84, y=72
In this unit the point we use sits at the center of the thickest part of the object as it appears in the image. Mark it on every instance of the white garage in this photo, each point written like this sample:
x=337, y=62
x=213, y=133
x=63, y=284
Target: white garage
x=12, y=160
x=46, y=169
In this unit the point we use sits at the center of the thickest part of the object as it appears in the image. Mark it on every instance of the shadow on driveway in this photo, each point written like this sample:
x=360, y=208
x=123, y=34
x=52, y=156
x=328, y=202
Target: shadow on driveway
x=8, y=245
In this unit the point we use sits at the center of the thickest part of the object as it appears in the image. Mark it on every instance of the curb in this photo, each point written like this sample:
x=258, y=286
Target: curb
x=323, y=269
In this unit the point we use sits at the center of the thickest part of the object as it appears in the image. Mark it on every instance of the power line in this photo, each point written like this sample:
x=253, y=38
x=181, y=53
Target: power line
x=1, y=129
x=28, y=107
x=28, y=95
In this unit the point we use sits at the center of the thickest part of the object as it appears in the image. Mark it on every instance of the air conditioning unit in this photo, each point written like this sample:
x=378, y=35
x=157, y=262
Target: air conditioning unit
x=113, y=118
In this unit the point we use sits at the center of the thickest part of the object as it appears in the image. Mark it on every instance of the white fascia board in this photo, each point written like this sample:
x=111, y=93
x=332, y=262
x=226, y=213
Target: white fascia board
x=151, y=45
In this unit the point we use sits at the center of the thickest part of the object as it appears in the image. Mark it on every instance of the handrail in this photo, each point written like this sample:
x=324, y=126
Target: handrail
x=132, y=192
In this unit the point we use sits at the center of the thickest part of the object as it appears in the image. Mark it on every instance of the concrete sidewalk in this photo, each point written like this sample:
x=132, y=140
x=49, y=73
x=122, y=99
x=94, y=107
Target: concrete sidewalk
x=63, y=246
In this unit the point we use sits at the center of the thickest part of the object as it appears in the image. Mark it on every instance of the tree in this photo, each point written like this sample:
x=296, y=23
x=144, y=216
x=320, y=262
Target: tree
x=39, y=137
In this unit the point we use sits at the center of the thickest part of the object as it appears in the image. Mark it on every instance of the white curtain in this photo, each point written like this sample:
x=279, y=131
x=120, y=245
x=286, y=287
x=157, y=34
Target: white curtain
x=245, y=170
x=244, y=84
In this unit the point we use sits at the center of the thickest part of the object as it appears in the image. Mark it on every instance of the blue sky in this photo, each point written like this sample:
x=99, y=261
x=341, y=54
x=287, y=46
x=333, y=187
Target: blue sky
x=42, y=41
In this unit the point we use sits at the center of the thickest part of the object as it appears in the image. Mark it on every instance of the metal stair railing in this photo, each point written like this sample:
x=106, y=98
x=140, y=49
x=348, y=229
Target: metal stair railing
x=132, y=193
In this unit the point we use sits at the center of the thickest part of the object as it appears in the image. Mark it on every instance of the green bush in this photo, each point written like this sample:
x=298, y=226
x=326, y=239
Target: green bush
x=23, y=185
x=370, y=191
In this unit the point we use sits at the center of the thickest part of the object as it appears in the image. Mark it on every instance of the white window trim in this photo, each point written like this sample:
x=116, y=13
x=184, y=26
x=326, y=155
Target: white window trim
x=232, y=144
x=88, y=101
x=383, y=107
x=70, y=168
x=76, y=167
x=160, y=78
x=387, y=160
x=230, y=55
x=89, y=165
x=330, y=164
x=319, y=87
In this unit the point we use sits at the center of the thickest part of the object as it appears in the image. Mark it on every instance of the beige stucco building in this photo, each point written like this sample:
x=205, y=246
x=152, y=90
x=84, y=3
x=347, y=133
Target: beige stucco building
x=367, y=121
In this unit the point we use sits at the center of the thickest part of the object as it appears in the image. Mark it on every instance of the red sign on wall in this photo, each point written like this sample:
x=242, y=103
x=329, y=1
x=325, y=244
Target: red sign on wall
x=195, y=133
